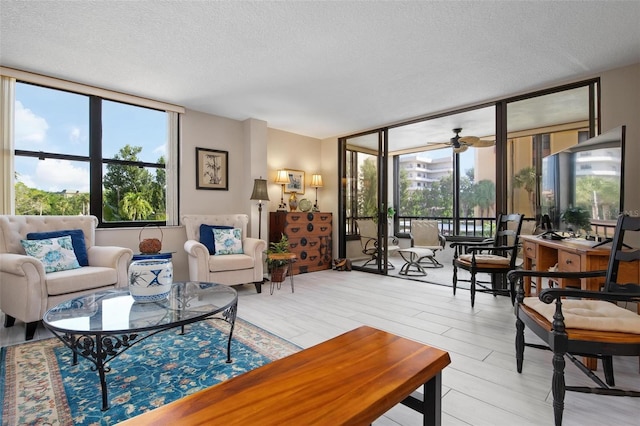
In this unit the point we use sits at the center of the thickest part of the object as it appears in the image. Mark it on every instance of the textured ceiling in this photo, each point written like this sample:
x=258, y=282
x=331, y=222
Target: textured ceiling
x=319, y=68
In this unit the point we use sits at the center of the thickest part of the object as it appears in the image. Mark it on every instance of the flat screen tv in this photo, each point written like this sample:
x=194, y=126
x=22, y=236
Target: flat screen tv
x=589, y=175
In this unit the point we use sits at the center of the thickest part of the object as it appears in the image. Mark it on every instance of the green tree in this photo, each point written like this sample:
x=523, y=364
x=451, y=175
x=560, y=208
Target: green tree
x=31, y=201
x=132, y=192
x=404, y=194
x=158, y=198
x=437, y=200
x=368, y=189
x=468, y=198
x=485, y=196
x=526, y=179
x=607, y=199
x=135, y=206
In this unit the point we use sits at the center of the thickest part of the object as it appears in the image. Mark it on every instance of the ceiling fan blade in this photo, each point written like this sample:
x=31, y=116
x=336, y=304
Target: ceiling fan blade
x=462, y=148
x=469, y=140
x=482, y=143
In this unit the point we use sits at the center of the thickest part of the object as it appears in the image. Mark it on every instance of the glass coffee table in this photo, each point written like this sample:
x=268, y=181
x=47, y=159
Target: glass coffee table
x=102, y=325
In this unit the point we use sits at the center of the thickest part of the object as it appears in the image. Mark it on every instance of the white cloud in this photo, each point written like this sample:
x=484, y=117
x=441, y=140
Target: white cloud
x=74, y=134
x=161, y=150
x=56, y=175
x=29, y=128
x=27, y=180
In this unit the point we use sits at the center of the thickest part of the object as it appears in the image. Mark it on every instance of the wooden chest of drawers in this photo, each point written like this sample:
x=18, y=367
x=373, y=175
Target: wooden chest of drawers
x=309, y=236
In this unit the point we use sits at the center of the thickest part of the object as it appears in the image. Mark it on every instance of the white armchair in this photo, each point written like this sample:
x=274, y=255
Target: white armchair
x=230, y=269
x=27, y=291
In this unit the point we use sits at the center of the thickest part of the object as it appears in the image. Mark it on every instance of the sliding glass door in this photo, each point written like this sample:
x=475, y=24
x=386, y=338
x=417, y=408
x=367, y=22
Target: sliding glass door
x=367, y=224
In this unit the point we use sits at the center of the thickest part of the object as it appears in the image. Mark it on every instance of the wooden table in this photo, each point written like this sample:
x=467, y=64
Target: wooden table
x=287, y=257
x=572, y=255
x=351, y=379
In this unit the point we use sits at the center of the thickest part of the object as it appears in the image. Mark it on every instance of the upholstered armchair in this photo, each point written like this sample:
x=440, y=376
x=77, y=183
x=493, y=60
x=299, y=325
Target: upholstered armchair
x=233, y=267
x=27, y=290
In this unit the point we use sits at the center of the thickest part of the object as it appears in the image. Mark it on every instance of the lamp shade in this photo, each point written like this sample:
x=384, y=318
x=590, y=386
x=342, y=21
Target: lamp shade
x=282, y=177
x=260, y=190
x=316, y=181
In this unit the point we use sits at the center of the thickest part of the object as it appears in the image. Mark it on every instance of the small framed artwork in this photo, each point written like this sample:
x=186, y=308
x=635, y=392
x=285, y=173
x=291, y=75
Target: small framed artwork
x=212, y=169
x=296, y=182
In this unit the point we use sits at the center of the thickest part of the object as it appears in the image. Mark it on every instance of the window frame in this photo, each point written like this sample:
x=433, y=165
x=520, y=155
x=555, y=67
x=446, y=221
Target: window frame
x=96, y=161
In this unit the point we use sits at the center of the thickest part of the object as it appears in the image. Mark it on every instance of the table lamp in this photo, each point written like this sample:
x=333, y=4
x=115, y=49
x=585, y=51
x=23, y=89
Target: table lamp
x=316, y=182
x=260, y=193
x=282, y=178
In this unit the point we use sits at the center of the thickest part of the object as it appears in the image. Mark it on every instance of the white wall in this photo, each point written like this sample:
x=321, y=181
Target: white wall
x=209, y=131
x=620, y=105
x=287, y=150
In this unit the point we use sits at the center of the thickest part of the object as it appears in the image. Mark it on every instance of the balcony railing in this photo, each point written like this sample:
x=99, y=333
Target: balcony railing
x=476, y=227
x=480, y=227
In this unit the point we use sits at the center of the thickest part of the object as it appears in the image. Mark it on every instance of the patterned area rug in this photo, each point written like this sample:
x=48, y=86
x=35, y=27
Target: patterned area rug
x=39, y=384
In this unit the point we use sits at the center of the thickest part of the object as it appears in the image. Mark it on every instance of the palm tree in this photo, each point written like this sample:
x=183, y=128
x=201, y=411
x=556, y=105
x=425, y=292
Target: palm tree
x=485, y=196
x=526, y=179
x=135, y=206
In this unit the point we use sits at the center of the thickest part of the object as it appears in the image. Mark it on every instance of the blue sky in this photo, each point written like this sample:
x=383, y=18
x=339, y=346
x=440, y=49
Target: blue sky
x=56, y=121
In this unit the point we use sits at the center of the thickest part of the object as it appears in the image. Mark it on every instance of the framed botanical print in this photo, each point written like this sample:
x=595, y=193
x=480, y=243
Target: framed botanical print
x=212, y=169
x=296, y=182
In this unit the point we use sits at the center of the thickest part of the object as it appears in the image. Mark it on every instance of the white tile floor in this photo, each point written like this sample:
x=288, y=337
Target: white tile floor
x=481, y=386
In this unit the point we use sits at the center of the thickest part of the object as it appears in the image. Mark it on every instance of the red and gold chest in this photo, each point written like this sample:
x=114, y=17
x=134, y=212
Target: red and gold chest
x=309, y=235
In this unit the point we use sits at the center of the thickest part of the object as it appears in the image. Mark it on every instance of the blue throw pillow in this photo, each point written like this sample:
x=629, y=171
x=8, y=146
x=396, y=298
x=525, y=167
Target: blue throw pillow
x=206, y=236
x=77, y=240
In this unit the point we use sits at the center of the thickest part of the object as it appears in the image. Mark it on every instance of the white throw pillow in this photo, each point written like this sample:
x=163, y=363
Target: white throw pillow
x=227, y=241
x=56, y=254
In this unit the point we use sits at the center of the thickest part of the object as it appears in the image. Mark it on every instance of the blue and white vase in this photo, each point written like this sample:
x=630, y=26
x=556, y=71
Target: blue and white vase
x=150, y=280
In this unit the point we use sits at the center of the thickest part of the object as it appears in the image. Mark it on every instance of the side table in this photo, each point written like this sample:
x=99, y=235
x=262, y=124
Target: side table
x=148, y=256
x=290, y=257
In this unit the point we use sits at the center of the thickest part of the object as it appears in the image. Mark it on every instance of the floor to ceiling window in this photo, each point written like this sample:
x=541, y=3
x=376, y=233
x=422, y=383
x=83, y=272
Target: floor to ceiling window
x=537, y=127
x=446, y=172
x=462, y=168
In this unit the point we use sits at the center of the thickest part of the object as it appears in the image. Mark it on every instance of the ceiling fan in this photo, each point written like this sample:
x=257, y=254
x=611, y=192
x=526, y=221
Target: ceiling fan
x=461, y=144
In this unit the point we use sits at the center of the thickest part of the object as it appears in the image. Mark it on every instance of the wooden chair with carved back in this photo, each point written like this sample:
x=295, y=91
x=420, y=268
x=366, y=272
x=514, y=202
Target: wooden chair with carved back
x=576, y=323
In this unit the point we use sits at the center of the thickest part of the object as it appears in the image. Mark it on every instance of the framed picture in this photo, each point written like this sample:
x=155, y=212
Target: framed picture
x=212, y=169
x=296, y=182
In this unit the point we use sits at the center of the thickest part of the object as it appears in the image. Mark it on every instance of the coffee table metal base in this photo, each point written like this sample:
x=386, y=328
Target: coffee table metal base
x=102, y=346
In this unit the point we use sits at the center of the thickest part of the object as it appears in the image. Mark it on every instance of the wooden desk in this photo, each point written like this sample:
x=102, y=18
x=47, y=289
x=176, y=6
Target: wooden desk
x=351, y=379
x=571, y=255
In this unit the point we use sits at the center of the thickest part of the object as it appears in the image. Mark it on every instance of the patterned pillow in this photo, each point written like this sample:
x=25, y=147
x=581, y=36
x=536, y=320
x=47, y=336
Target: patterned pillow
x=206, y=236
x=55, y=253
x=77, y=239
x=228, y=241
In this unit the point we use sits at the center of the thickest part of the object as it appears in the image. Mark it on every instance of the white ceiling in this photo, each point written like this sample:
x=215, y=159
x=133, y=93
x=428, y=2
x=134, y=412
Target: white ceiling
x=320, y=68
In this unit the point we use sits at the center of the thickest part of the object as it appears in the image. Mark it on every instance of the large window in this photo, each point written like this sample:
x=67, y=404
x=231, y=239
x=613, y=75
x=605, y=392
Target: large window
x=465, y=167
x=83, y=154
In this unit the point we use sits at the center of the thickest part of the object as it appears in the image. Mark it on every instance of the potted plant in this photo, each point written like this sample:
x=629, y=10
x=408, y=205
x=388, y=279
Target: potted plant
x=577, y=218
x=278, y=267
